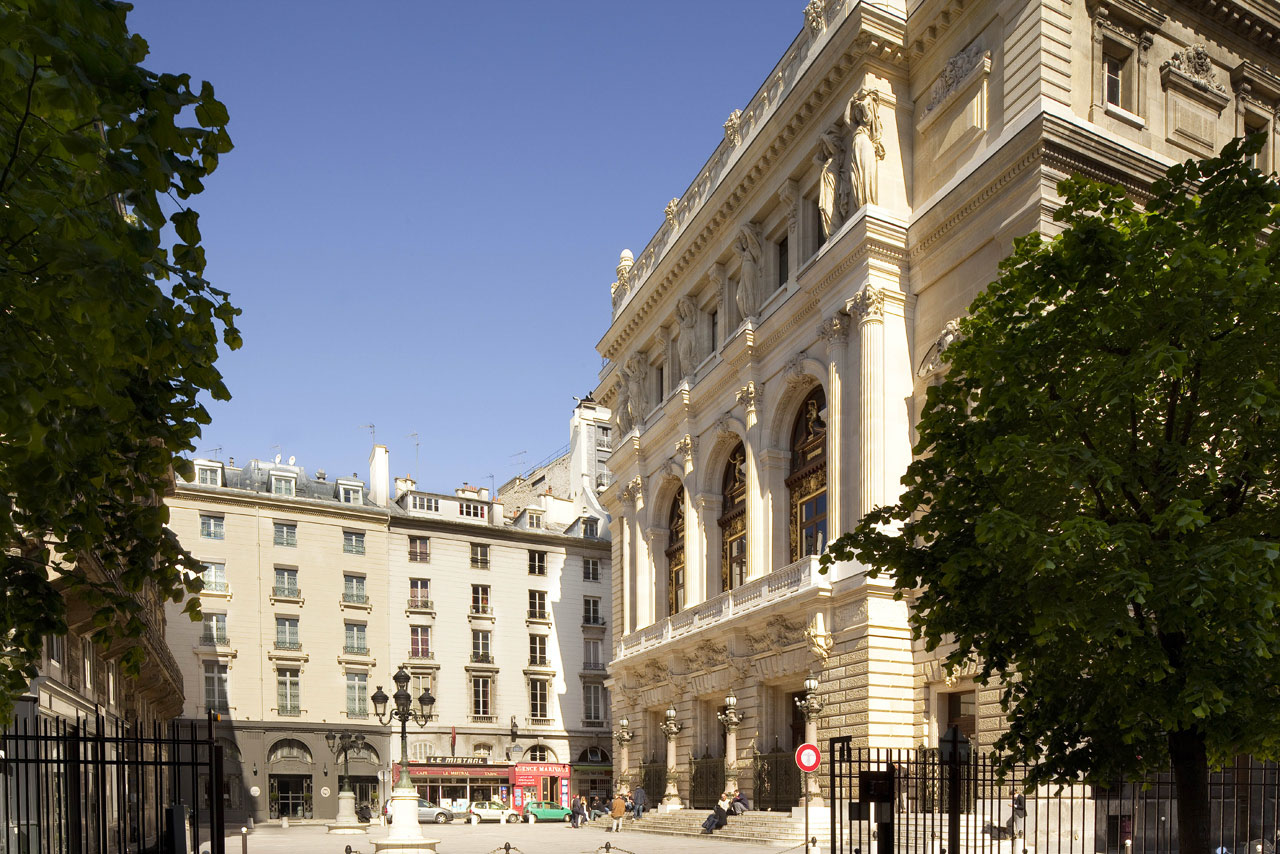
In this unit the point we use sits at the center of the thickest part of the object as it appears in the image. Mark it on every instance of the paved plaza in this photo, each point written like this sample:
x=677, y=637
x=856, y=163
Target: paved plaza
x=459, y=838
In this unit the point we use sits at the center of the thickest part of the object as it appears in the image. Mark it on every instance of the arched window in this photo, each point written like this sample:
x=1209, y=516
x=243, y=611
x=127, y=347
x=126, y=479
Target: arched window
x=675, y=554
x=733, y=521
x=482, y=750
x=365, y=752
x=540, y=753
x=289, y=748
x=230, y=751
x=594, y=756
x=808, y=480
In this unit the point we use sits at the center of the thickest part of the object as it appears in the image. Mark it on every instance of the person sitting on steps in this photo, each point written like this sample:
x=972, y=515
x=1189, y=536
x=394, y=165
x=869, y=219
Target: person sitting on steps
x=719, y=816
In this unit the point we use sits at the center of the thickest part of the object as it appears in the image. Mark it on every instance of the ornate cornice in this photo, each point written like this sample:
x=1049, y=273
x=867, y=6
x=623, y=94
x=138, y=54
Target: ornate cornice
x=1258, y=25
x=880, y=38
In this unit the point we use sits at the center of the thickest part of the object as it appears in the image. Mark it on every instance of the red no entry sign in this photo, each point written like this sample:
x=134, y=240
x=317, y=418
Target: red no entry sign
x=808, y=757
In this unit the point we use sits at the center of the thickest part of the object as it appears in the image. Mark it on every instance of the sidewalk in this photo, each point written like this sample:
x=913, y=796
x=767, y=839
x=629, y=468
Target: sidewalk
x=460, y=838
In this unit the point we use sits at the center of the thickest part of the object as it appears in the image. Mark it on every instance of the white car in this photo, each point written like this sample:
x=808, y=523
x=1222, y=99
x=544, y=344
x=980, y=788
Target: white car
x=491, y=811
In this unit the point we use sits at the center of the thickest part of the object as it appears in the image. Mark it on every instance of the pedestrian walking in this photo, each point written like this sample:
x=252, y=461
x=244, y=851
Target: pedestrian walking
x=1018, y=819
x=638, y=800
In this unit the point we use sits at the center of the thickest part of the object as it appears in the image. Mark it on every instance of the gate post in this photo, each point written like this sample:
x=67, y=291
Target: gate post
x=953, y=751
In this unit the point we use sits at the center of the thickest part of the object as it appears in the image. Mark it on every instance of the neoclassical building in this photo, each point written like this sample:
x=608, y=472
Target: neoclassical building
x=771, y=346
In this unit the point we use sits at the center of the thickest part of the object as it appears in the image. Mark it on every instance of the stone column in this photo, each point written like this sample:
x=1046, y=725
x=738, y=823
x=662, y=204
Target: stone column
x=868, y=306
x=630, y=558
x=835, y=331
x=646, y=578
x=757, y=493
x=695, y=549
x=706, y=506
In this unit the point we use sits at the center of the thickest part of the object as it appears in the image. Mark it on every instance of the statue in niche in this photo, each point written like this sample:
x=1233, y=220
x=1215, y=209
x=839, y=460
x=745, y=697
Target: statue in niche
x=832, y=197
x=633, y=376
x=687, y=317
x=862, y=115
x=749, y=252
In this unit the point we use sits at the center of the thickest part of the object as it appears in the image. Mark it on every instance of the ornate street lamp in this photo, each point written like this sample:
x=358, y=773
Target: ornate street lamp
x=340, y=745
x=811, y=706
x=670, y=727
x=403, y=712
x=729, y=719
x=404, y=797
x=623, y=736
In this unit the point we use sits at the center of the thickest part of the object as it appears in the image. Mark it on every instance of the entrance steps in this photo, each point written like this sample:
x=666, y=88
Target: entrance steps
x=776, y=828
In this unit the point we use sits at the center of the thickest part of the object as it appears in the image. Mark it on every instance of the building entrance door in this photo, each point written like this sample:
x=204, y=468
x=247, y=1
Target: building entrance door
x=290, y=795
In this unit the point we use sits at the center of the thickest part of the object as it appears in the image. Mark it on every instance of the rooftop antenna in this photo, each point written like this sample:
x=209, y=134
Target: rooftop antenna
x=417, y=443
x=519, y=463
x=373, y=433
x=215, y=451
x=493, y=490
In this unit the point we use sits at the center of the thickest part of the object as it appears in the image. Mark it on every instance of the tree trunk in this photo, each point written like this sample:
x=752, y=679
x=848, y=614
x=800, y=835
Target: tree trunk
x=1191, y=783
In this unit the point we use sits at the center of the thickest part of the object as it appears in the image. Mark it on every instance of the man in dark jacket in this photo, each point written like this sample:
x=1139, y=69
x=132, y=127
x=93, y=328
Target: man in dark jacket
x=638, y=800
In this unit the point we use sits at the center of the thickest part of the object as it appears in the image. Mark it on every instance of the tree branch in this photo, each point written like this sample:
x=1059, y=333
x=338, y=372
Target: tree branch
x=17, y=136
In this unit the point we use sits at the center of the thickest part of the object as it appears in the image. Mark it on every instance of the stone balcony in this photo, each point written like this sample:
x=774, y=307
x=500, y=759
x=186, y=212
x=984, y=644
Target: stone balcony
x=756, y=595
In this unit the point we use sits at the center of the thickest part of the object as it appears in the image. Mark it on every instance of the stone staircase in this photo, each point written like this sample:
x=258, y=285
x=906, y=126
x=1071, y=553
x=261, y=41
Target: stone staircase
x=770, y=828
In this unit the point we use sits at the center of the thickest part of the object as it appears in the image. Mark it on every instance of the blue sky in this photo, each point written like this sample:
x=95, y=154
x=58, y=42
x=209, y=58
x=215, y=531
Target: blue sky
x=426, y=202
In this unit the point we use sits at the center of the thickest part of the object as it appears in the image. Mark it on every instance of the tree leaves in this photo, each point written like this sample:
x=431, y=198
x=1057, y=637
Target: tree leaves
x=100, y=368
x=1092, y=511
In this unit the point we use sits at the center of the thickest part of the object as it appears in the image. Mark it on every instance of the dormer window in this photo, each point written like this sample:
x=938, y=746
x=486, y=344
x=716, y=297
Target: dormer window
x=209, y=475
x=590, y=528
x=351, y=494
x=471, y=509
x=283, y=485
x=535, y=520
x=422, y=502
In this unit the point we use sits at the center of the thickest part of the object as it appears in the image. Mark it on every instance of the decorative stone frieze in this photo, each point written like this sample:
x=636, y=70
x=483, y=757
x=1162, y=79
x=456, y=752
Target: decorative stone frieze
x=815, y=16
x=1193, y=62
x=954, y=72
x=932, y=362
x=669, y=212
x=733, y=128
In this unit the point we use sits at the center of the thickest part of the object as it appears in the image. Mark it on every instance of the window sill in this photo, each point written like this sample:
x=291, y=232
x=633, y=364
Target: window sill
x=1123, y=115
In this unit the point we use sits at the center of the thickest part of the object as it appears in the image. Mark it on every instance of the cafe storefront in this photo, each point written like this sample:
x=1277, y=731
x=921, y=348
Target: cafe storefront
x=540, y=781
x=455, y=782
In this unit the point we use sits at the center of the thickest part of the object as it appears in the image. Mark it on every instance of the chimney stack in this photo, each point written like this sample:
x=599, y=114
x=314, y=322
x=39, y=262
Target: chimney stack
x=379, y=475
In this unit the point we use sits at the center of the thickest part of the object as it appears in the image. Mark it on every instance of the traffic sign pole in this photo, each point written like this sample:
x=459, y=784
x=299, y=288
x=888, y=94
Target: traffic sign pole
x=808, y=758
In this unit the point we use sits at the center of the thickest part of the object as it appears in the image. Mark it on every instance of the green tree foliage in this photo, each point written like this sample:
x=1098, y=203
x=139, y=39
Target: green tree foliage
x=107, y=334
x=1092, y=512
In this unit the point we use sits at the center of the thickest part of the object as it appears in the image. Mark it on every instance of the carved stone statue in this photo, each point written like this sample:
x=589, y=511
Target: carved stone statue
x=862, y=116
x=749, y=252
x=829, y=157
x=687, y=317
x=633, y=376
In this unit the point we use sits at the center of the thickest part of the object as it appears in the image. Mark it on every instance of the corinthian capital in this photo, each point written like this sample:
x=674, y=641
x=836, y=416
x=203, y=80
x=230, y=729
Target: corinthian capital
x=835, y=329
x=868, y=304
x=748, y=396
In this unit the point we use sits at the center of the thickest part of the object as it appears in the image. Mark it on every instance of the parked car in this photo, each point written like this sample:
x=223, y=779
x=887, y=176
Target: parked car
x=545, y=811
x=492, y=811
x=427, y=812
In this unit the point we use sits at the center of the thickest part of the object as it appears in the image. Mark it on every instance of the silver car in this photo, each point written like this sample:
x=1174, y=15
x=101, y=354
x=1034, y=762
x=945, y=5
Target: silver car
x=427, y=812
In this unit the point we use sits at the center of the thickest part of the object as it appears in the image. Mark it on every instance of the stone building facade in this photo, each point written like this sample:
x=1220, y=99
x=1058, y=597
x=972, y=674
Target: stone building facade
x=771, y=346
x=318, y=589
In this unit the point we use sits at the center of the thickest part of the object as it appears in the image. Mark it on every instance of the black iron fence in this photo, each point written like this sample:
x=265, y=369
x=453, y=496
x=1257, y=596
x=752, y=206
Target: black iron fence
x=916, y=801
x=777, y=781
x=706, y=783
x=86, y=787
x=653, y=776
